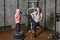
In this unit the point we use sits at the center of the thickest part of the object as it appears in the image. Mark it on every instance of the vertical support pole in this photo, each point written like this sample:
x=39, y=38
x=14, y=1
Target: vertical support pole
x=4, y=14
x=55, y=13
x=45, y=14
x=18, y=4
x=38, y=3
x=28, y=12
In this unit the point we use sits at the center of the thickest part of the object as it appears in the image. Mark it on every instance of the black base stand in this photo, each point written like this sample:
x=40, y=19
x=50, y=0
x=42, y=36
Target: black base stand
x=18, y=35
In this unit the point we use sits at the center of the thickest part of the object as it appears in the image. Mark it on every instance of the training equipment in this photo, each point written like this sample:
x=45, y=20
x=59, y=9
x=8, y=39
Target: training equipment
x=56, y=37
x=31, y=30
x=18, y=35
x=23, y=13
x=50, y=36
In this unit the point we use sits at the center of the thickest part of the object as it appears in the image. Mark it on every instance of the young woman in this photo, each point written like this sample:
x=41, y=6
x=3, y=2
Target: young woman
x=36, y=17
x=17, y=18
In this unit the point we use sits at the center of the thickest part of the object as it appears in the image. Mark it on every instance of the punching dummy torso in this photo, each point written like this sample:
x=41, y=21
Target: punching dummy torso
x=17, y=16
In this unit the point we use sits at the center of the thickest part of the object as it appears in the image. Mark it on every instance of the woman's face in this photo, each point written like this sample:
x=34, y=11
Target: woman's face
x=38, y=9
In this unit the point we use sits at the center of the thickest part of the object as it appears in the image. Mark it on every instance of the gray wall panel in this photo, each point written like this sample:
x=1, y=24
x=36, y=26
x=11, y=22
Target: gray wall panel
x=50, y=9
x=10, y=11
x=1, y=12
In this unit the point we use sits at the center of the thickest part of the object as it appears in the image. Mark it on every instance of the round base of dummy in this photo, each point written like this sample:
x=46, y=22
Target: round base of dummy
x=19, y=39
x=18, y=35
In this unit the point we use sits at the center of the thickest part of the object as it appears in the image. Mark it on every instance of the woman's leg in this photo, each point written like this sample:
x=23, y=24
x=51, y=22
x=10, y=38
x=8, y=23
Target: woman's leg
x=34, y=28
x=30, y=20
x=34, y=25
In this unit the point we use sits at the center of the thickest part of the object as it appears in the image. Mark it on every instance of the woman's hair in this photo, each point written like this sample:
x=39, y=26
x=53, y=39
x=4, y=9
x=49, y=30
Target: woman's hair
x=39, y=9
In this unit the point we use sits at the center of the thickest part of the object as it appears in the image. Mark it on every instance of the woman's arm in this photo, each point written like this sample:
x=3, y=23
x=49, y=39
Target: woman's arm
x=40, y=18
x=32, y=14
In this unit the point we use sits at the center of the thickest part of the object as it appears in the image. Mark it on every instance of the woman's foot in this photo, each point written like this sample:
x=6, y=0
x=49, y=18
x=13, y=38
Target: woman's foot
x=38, y=27
x=31, y=31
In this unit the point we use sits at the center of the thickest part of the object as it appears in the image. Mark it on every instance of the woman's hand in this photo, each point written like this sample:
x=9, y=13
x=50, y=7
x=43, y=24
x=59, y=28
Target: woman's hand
x=33, y=16
x=39, y=20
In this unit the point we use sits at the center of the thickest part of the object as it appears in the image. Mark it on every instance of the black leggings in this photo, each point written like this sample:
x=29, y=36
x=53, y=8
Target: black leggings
x=33, y=22
x=18, y=27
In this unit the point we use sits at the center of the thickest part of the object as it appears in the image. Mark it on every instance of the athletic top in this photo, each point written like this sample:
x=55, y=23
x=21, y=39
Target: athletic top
x=36, y=17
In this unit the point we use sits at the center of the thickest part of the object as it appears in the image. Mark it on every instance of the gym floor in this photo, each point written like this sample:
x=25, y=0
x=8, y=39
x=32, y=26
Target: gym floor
x=41, y=34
